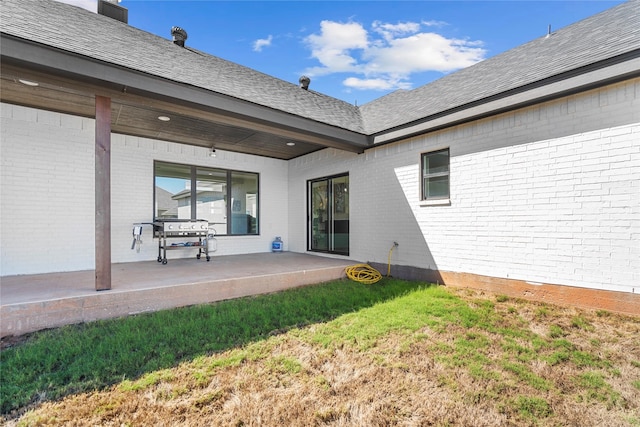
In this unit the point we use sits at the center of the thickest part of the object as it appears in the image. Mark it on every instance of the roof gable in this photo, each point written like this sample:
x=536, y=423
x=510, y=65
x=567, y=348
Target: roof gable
x=606, y=35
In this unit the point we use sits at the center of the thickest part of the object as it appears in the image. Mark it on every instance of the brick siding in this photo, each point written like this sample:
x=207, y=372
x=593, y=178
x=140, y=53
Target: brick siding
x=47, y=185
x=545, y=194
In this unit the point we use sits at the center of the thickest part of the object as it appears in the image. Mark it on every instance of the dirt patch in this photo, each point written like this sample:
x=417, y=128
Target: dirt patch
x=12, y=341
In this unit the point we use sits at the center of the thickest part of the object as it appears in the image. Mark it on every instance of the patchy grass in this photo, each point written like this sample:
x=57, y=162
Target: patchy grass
x=411, y=355
x=78, y=358
x=532, y=408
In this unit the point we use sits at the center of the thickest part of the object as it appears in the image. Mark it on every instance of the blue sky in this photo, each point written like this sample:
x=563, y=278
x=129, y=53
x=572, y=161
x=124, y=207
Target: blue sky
x=356, y=51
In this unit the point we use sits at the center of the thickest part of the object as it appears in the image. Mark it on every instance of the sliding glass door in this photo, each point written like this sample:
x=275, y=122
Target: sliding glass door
x=328, y=204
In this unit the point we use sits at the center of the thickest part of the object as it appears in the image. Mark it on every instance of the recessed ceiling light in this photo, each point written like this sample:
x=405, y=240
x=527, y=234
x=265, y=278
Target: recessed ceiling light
x=164, y=118
x=28, y=82
x=291, y=144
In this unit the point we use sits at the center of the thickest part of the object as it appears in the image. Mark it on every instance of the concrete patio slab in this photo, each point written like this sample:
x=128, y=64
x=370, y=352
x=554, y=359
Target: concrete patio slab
x=33, y=302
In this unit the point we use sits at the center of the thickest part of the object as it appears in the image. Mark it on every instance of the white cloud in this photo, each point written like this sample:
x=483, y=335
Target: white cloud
x=259, y=44
x=333, y=45
x=375, y=84
x=390, y=31
x=433, y=23
x=91, y=5
x=385, y=57
x=422, y=52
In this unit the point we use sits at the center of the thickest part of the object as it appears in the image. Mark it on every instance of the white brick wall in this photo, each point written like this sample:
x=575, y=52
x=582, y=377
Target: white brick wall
x=132, y=195
x=549, y=193
x=546, y=194
x=47, y=192
x=550, y=213
x=47, y=181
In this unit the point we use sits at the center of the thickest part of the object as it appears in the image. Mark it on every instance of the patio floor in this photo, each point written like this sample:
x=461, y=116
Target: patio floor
x=33, y=302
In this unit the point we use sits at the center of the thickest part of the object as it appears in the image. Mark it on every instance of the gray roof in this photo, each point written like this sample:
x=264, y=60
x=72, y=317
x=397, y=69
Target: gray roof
x=73, y=29
x=611, y=33
x=606, y=35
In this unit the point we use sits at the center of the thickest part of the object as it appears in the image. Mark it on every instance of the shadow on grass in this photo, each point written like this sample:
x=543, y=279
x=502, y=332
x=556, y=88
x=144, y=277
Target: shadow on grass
x=55, y=363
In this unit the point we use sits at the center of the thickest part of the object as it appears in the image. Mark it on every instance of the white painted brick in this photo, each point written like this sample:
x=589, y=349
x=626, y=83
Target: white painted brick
x=542, y=190
x=50, y=156
x=543, y=194
x=32, y=148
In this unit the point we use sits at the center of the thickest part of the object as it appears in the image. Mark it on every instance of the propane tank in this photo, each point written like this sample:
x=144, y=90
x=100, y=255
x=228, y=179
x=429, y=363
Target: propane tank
x=276, y=245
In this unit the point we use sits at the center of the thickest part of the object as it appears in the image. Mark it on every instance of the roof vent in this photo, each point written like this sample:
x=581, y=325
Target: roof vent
x=179, y=36
x=304, y=82
x=112, y=9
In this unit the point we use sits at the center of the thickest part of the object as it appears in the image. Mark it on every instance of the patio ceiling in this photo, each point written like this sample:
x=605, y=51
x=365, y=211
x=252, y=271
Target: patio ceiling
x=135, y=112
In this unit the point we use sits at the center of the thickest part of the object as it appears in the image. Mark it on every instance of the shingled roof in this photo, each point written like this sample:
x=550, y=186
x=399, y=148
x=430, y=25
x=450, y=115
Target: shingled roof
x=604, y=36
x=73, y=29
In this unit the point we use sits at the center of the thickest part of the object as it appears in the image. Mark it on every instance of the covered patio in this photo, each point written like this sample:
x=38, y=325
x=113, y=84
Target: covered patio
x=33, y=302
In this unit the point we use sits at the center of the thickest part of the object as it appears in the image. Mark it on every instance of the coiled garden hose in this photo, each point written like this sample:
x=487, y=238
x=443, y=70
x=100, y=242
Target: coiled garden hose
x=366, y=274
x=363, y=273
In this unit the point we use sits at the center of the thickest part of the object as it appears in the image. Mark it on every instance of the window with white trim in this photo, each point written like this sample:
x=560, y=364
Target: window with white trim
x=434, y=175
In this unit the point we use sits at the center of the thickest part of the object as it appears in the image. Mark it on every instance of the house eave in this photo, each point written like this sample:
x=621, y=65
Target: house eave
x=105, y=79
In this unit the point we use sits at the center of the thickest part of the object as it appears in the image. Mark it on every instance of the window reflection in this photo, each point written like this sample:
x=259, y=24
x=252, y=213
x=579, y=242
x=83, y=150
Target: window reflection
x=190, y=192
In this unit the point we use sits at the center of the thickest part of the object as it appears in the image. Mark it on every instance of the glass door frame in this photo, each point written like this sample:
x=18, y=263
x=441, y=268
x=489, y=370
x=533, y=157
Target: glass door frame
x=328, y=224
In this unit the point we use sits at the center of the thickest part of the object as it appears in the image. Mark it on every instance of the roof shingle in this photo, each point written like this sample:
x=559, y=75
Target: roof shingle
x=602, y=36
x=82, y=32
x=61, y=26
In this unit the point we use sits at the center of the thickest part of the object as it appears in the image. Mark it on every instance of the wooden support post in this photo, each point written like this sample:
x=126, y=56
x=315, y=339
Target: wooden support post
x=103, y=193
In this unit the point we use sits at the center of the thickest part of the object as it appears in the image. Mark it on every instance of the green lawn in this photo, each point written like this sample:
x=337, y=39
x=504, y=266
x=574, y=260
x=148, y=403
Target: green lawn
x=338, y=353
x=91, y=356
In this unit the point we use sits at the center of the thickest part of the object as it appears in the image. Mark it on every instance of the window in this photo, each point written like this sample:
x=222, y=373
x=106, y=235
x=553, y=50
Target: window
x=227, y=199
x=435, y=175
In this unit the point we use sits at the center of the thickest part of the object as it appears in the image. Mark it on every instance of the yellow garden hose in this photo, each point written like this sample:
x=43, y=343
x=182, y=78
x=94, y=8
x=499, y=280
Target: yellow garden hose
x=366, y=274
x=363, y=273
